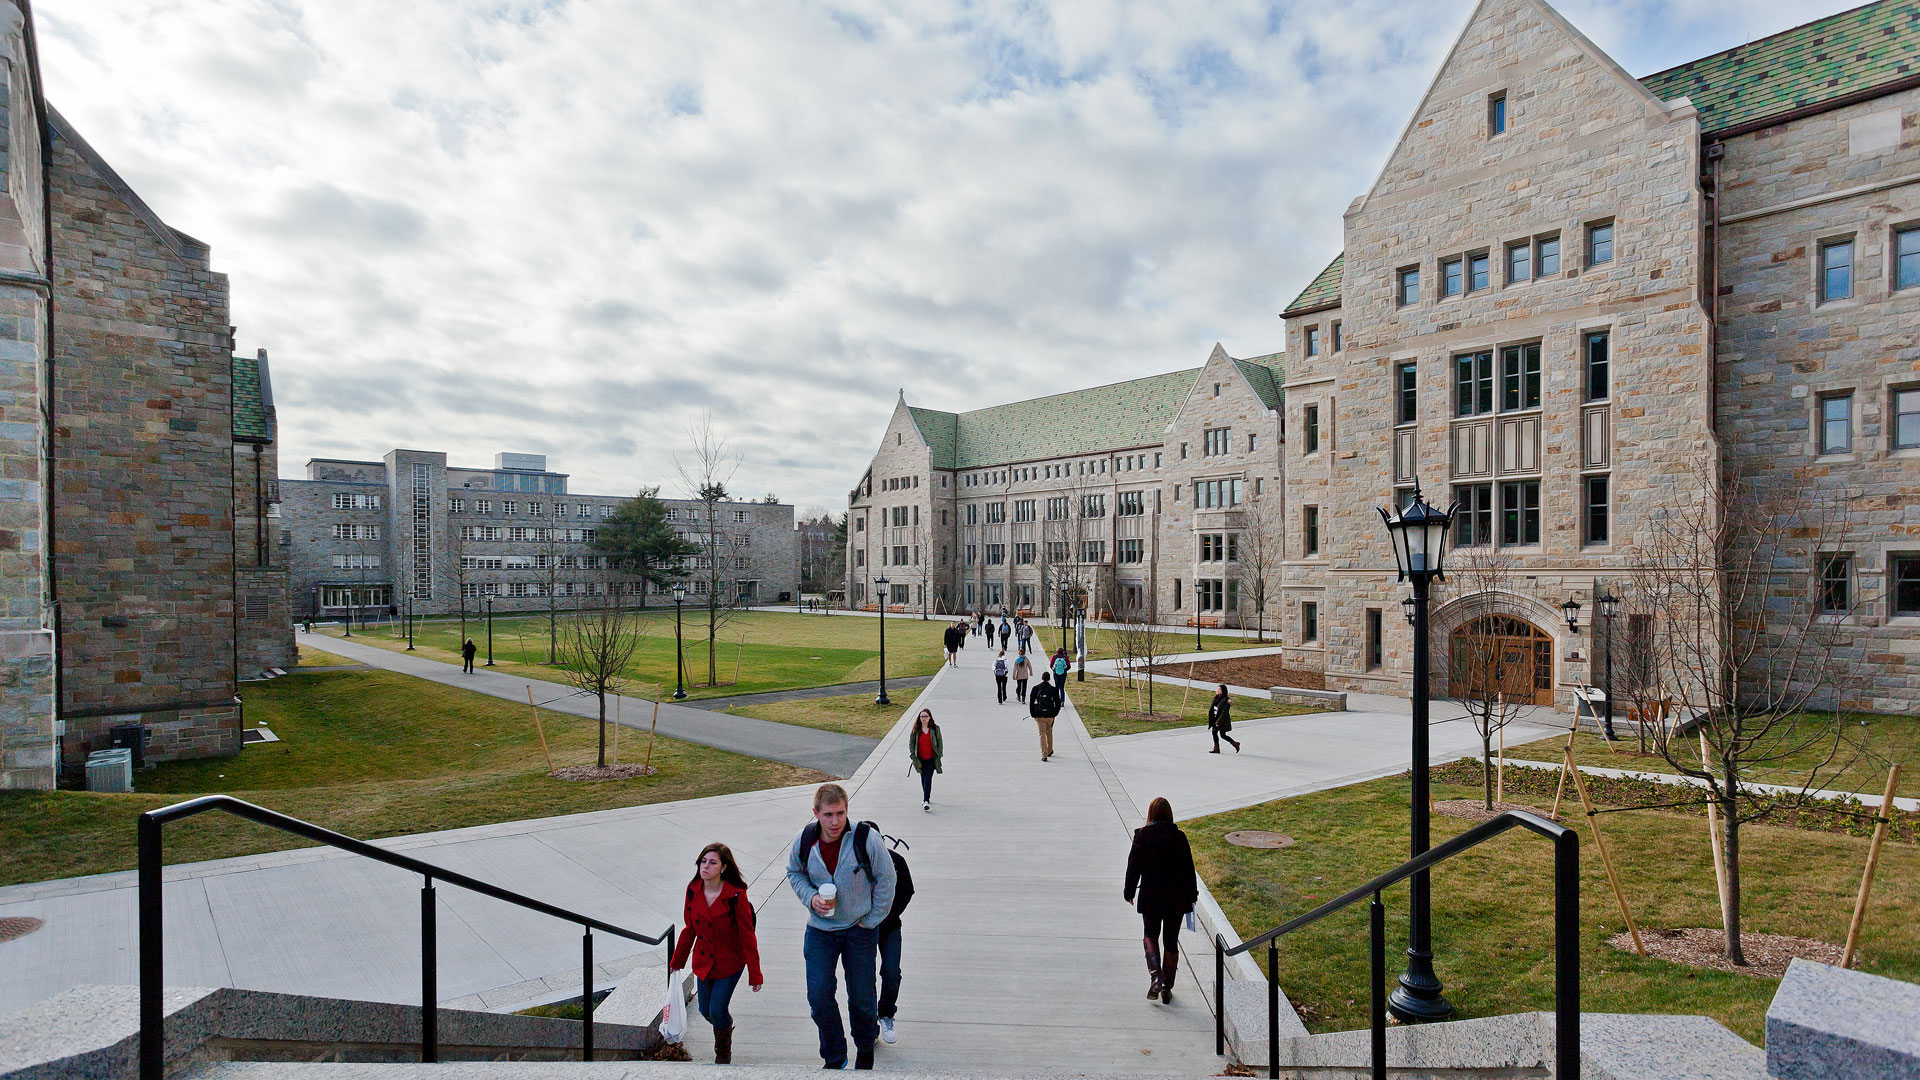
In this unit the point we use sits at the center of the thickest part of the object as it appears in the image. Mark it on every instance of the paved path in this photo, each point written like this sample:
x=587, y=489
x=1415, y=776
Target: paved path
x=895, y=688
x=830, y=752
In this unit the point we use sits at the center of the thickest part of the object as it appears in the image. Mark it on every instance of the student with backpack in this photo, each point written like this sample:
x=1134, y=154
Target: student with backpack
x=1022, y=671
x=889, y=941
x=719, y=939
x=927, y=751
x=846, y=899
x=1043, y=705
x=1000, y=674
x=1006, y=631
x=1060, y=665
x=954, y=636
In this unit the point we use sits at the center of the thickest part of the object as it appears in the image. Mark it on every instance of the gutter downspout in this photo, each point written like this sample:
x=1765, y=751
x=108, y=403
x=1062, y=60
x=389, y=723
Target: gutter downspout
x=1716, y=153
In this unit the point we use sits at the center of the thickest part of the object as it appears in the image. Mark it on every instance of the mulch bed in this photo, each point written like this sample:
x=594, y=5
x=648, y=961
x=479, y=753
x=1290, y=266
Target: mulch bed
x=1258, y=672
x=1155, y=717
x=1703, y=946
x=596, y=772
x=1475, y=810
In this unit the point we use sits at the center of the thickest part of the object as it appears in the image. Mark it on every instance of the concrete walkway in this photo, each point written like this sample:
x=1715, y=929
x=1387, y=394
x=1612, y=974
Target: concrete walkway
x=831, y=752
x=896, y=688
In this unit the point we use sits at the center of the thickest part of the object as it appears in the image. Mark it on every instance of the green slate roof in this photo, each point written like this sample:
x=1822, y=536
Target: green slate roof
x=1266, y=376
x=1101, y=418
x=252, y=421
x=1322, y=292
x=1825, y=59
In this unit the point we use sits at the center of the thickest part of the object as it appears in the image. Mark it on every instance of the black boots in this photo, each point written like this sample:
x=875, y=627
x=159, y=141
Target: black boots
x=1169, y=971
x=1153, y=967
x=723, y=1046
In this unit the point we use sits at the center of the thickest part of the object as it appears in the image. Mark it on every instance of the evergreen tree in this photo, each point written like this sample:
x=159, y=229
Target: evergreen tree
x=640, y=540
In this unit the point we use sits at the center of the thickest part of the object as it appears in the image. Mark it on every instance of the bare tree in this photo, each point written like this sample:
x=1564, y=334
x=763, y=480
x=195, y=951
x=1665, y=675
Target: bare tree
x=923, y=565
x=1262, y=550
x=463, y=576
x=1136, y=638
x=598, y=642
x=552, y=581
x=1071, y=522
x=1745, y=637
x=1490, y=665
x=705, y=471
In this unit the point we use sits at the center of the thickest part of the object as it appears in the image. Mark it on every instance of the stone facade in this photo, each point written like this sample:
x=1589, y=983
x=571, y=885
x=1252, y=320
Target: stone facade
x=263, y=617
x=366, y=534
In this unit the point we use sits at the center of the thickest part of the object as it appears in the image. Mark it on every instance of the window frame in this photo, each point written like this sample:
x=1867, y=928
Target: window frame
x=1596, y=511
x=1598, y=243
x=1524, y=249
x=1479, y=269
x=1833, y=595
x=1310, y=532
x=1903, y=245
x=1474, y=522
x=1520, y=384
x=1897, y=561
x=1453, y=277
x=1588, y=365
x=1376, y=644
x=1497, y=114
x=1406, y=389
x=1824, y=269
x=1824, y=445
x=1521, y=522
x=1310, y=429
x=1480, y=383
x=1309, y=622
x=1404, y=278
x=1310, y=340
x=1540, y=244
x=1894, y=414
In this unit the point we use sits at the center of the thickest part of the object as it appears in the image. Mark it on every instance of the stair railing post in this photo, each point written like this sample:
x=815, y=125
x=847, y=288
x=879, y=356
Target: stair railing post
x=1219, y=996
x=429, y=974
x=1566, y=955
x=153, y=1052
x=1377, y=927
x=586, y=995
x=1273, y=1009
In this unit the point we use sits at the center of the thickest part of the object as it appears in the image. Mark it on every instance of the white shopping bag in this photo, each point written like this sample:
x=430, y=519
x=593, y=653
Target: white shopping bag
x=1192, y=923
x=673, y=1018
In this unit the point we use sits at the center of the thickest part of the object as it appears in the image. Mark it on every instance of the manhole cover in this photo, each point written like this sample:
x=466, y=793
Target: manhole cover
x=1256, y=838
x=18, y=926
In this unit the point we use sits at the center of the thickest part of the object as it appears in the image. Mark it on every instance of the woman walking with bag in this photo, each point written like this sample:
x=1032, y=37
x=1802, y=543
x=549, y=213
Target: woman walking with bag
x=1220, y=720
x=927, y=750
x=1022, y=671
x=719, y=938
x=1160, y=869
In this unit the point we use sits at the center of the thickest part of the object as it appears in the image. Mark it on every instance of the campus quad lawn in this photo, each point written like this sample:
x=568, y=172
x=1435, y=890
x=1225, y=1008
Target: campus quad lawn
x=1873, y=741
x=370, y=754
x=855, y=714
x=1493, y=905
x=312, y=657
x=1101, y=701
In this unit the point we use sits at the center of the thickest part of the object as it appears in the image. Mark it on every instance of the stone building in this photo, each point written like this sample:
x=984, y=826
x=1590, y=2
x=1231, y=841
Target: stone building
x=370, y=535
x=1135, y=497
x=118, y=462
x=1569, y=289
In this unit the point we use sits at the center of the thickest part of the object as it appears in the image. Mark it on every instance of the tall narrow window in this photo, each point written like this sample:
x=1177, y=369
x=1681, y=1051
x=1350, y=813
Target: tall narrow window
x=1594, y=530
x=1407, y=387
x=1906, y=419
x=1473, y=383
x=1836, y=583
x=1906, y=257
x=1519, y=262
x=1309, y=623
x=1836, y=270
x=1473, y=521
x=1903, y=574
x=1408, y=291
x=1312, y=337
x=1310, y=430
x=1452, y=277
x=1479, y=272
x=1310, y=531
x=1520, y=377
x=1597, y=349
x=1375, y=646
x=1600, y=243
x=1337, y=343
x=1836, y=424
x=1546, y=256
x=1497, y=114
x=1520, y=513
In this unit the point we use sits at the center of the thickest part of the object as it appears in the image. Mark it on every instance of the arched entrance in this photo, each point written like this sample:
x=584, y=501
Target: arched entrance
x=1501, y=654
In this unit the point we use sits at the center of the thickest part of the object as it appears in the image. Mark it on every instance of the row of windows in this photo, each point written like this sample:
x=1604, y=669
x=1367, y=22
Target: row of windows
x=526, y=534
x=356, y=562
x=1836, y=416
x=347, y=501
x=1219, y=547
x=345, y=531
x=1480, y=387
x=1838, y=267
x=899, y=483
x=533, y=562
x=583, y=511
x=1836, y=592
x=1060, y=470
x=1524, y=260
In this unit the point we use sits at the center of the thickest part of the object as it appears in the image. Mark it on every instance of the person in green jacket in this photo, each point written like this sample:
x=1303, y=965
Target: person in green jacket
x=926, y=749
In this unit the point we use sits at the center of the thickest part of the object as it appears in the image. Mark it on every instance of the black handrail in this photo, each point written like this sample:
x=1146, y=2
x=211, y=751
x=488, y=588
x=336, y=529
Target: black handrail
x=152, y=967
x=1566, y=944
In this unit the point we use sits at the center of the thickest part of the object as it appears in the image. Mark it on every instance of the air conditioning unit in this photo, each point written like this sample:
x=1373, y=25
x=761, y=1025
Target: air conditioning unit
x=110, y=771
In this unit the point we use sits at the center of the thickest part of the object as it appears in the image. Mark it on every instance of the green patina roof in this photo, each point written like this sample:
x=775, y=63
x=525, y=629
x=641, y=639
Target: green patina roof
x=1266, y=377
x=1111, y=417
x=1324, y=291
x=251, y=418
x=1825, y=59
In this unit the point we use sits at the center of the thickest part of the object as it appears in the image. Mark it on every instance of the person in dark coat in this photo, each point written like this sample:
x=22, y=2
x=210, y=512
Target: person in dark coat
x=887, y=936
x=466, y=655
x=928, y=748
x=1160, y=871
x=719, y=940
x=952, y=642
x=1220, y=720
x=1006, y=631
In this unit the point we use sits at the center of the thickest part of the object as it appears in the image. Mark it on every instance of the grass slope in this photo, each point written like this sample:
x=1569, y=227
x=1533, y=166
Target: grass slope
x=1101, y=701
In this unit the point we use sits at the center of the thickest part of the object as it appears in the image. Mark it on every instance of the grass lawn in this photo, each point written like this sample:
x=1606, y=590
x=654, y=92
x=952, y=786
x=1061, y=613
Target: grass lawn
x=312, y=657
x=371, y=754
x=854, y=715
x=1101, y=701
x=1493, y=926
x=1873, y=741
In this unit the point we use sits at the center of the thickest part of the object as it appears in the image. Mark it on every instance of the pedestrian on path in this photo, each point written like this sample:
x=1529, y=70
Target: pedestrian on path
x=1160, y=870
x=1043, y=705
x=1006, y=631
x=718, y=935
x=960, y=636
x=927, y=751
x=1060, y=666
x=888, y=936
x=1022, y=671
x=467, y=652
x=1000, y=674
x=1023, y=634
x=1220, y=720
x=951, y=639
x=847, y=884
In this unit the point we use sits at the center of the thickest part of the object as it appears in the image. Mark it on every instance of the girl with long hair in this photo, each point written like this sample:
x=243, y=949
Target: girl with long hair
x=1220, y=720
x=1160, y=870
x=926, y=749
x=719, y=939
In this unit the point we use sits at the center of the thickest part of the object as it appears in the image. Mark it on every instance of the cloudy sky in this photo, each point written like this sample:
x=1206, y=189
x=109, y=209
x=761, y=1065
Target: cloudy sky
x=568, y=227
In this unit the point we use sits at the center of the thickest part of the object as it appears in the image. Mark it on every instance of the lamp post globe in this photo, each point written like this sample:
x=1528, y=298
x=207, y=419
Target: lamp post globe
x=679, y=660
x=1419, y=533
x=880, y=588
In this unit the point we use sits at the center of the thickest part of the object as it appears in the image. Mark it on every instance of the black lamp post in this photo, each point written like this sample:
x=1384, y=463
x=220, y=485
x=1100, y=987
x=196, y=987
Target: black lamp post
x=880, y=584
x=1419, y=534
x=489, y=629
x=1609, y=606
x=679, y=658
x=409, y=622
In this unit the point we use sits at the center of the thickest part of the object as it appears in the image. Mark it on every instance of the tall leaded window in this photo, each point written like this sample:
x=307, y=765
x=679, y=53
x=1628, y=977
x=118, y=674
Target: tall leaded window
x=1520, y=377
x=1596, y=349
x=1836, y=583
x=1309, y=623
x=1407, y=285
x=1599, y=243
x=1473, y=384
x=1594, y=528
x=1836, y=270
x=1496, y=114
x=1310, y=530
x=1519, y=513
x=1310, y=429
x=1473, y=521
x=1407, y=389
x=1836, y=424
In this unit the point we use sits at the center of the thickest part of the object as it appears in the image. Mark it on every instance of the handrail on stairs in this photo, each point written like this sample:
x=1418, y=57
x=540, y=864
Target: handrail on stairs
x=152, y=1011
x=1566, y=943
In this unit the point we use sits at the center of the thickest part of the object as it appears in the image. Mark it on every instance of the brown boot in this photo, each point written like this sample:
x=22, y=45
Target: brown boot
x=1153, y=967
x=723, y=1046
x=1169, y=973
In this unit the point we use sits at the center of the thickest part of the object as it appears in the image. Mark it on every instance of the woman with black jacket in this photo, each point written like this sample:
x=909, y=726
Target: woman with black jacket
x=1160, y=870
x=1220, y=720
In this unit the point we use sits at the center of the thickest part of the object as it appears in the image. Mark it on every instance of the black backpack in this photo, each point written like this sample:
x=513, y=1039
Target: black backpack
x=903, y=887
x=753, y=917
x=810, y=836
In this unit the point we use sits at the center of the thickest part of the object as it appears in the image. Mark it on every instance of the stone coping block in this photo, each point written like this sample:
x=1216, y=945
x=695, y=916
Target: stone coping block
x=1331, y=700
x=1828, y=1023
x=93, y=1032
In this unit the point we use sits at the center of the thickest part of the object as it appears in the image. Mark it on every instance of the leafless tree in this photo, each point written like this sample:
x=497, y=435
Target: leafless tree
x=1136, y=638
x=1262, y=549
x=552, y=581
x=1745, y=641
x=597, y=643
x=1073, y=518
x=1490, y=665
x=705, y=470
x=463, y=575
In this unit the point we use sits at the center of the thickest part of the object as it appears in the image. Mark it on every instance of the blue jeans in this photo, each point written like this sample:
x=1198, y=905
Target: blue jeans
x=713, y=996
x=890, y=973
x=926, y=779
x=853, y=950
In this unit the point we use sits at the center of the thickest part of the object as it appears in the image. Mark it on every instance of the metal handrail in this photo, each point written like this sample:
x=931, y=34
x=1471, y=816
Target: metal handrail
x=152, y=956
x=1566, y=943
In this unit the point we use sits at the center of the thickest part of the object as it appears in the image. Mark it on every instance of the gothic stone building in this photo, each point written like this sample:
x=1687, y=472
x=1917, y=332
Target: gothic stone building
x=412, y=531
x=1137, y=495
x=1569, y=288
x=124, y=593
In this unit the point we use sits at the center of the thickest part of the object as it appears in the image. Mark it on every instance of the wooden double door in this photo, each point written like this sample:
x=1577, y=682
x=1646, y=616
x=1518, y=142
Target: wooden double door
x=1501, y=654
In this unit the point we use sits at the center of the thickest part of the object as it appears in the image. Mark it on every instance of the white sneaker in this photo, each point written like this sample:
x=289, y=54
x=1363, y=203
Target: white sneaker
x=886, y=1030
x=928, y=807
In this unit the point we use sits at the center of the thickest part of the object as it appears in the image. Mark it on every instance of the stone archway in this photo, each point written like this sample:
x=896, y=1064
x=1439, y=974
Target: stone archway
x=1502, y=654
x=1542, y=625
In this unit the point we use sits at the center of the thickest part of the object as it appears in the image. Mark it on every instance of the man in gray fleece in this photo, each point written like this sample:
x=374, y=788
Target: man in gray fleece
x=842, y=929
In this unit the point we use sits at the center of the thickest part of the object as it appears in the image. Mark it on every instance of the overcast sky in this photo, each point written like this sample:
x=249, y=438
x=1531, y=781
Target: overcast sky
x=568, y=227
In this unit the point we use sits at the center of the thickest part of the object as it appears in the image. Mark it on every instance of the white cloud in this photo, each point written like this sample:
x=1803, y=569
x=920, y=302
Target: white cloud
x=564, y=227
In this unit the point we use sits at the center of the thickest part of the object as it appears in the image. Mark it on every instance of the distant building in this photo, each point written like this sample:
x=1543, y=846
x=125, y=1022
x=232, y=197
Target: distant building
x=820, y=557
x=369, y=535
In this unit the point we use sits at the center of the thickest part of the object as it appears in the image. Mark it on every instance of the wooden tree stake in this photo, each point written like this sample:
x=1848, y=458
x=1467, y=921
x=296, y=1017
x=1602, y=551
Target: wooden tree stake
x=1561, y=788
x=1606, y=857
x=616, y=729
x=544, y=752
x=1188, y=690
x=1713, y=838
x=1873, y=863
x=647, y=765
x=1500, y=770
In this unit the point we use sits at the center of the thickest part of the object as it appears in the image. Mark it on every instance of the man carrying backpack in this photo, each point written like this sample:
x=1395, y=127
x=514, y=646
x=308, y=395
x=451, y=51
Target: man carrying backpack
x=847, y=882
x=1043, y=704
x=889, y=944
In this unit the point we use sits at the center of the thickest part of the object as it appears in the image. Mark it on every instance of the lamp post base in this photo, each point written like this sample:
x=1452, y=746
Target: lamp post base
x=1418, y=998
x=882, y=699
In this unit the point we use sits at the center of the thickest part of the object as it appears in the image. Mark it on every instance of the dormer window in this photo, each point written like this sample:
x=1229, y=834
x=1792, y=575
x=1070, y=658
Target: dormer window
x=1496, y=114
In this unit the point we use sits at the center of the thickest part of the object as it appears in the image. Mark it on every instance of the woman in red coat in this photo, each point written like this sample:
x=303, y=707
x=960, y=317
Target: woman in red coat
x=719, y=938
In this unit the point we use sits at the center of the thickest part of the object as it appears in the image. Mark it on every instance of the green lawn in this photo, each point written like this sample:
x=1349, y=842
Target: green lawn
x=1872, y=742
x=312, y=657
x=1493, y=927
x=371, y=754
x=855, y=714
x=1101, y=701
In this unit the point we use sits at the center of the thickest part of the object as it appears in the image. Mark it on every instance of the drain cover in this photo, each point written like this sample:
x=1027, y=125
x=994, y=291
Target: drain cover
x=1255, y=838
x=18, y=926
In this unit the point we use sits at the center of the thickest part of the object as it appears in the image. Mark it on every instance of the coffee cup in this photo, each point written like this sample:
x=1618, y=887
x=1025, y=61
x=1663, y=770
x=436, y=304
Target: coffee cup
x=829, y=892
